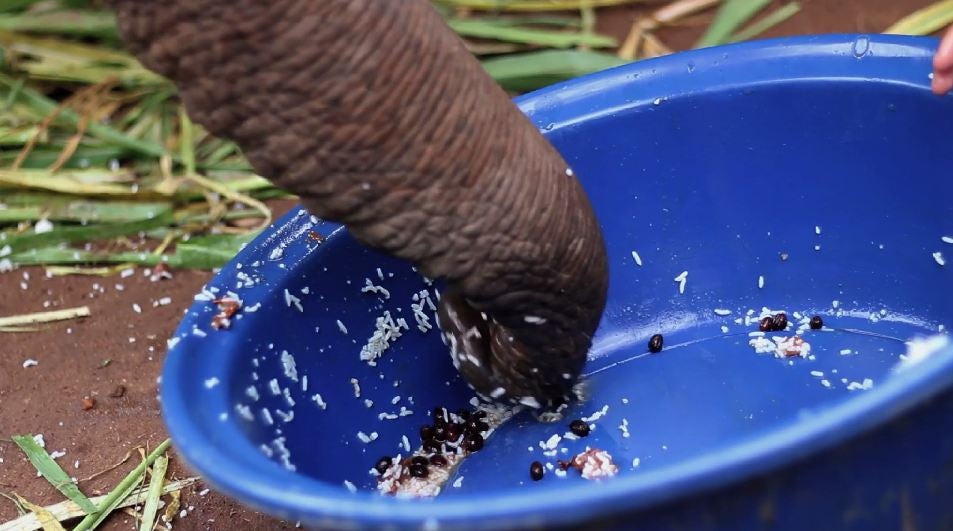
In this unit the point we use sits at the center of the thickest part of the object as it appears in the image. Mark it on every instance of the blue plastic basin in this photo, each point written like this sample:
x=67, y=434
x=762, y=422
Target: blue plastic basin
x=830, y=150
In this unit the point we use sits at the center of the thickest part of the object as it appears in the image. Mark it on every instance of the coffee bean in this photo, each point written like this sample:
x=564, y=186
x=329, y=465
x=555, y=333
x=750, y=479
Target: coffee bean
x=383, y=464
x=579, y=427
x=432, y=446
x=536, y=471
x=440, y=433
x=419, y=460
x=454, y=431
x=473, y=443
x=419, y=471
x=463, y=414
x=779, y=322
x=655, y=343
x=426, y=433
x=440, y=415
x=477, y=426
x=480, y=414
x=817, y=323
x=438, y=460
x=766, y=325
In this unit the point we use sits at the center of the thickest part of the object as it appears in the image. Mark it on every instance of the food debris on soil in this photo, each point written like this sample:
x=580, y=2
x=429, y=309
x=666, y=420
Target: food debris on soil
x=88, y=403
x=227, y=308
x=160, y=272
x=118, y=391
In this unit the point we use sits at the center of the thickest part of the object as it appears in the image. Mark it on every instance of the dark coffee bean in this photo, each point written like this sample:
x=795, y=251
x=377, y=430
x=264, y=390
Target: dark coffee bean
x=579, y=427
x=477, y=426
x=779, y=322
x=655, y=343
x=536, y=471
x=419, y=471
x=426, y=433
x=454, y=431
x=383, y=464
x=473, y=443
x=432, y=446
x=440, y=415
x=766, y=325
x=419, y=460
x=463, y=414
x=438, y=460
x=817, y=323
x=440, y=433
x=480, y=414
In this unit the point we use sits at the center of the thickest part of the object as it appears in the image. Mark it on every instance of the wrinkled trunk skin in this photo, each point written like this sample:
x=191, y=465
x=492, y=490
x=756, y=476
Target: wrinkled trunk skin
x=376, y=115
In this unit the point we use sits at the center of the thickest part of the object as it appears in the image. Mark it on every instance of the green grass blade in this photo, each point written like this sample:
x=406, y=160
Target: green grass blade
x=61, y=256
x=46, y=466
x=85, y=156
x=528, y=71
x=68, y=234
x=492, y=29
x=100, y=24
x=534, y=5
x=187, y=141
x=121, y=492
x=155, y=492
x=924, y=21
x=731, y=16
x=57, y=208
x=46, y=106
x=207, y=252
x=767, y=22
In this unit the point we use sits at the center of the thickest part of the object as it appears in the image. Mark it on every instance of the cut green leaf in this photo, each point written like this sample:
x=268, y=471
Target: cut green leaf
x=48, y=468
x=120, y=492
x=924, y=21
x=767, y=22
x=155, y=491
x=732, y=15
x=492, y=29
x=528, y=71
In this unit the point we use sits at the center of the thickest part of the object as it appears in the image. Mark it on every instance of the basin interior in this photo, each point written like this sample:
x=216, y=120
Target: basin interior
x=849, y=180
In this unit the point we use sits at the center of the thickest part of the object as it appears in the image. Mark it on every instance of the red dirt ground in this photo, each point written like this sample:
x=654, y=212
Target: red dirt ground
x=47, y=398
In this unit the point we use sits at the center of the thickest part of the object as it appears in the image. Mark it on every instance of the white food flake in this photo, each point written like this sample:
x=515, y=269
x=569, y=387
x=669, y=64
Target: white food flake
x=291, y=300
x=350, y=486
x=365, y=438
x=826, y=383
x=682, y=278
x=369, y=287
x=817, y=229
x=386, y=331
x=211, y=382
x=722, y=312
x=341, y=327
x=938, y=257
x=357, y=387
x=946, y=239
x=319, y=401
x=457, y=483
x=637, y=258
x=30, y=363
x=760, y=281
x=42, y=226
x=289, y=366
